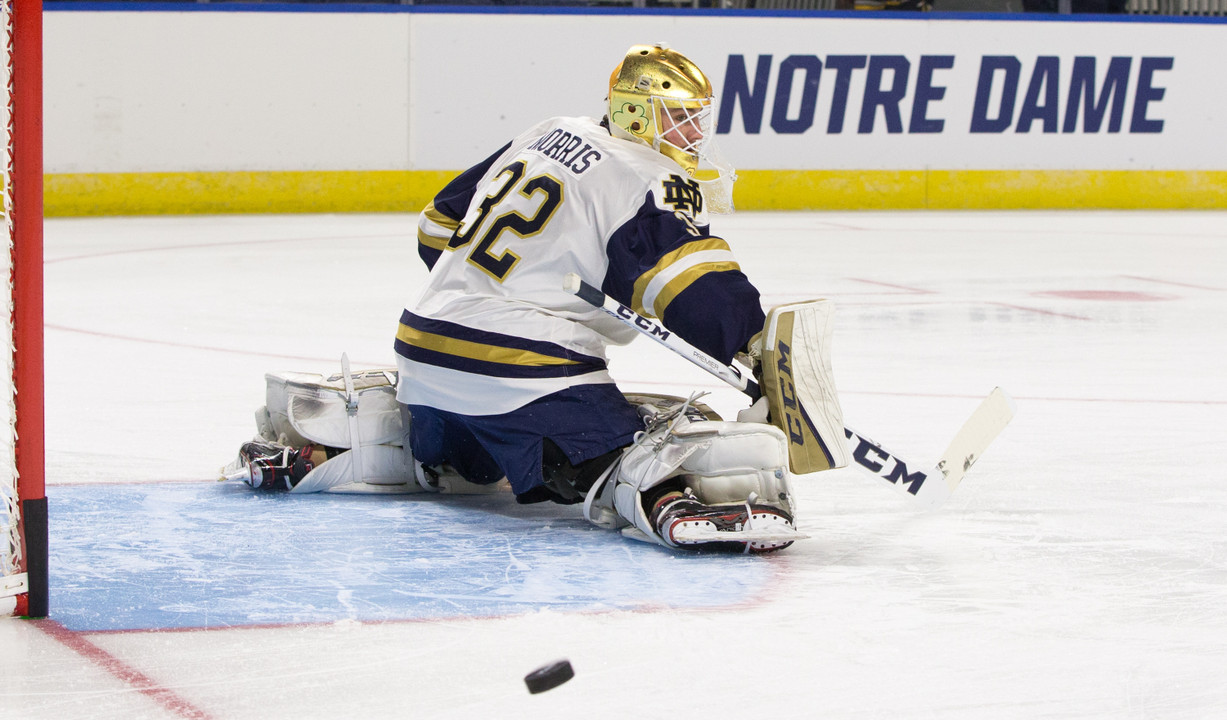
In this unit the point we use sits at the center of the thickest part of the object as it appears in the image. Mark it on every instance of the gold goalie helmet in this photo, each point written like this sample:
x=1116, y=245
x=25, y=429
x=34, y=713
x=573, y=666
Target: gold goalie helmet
x=658, y=97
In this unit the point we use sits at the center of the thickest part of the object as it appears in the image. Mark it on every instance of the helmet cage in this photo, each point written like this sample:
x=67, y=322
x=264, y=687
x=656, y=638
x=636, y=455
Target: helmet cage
x=683, y=129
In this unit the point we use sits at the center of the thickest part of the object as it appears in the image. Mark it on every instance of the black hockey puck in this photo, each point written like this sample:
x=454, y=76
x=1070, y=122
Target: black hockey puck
x=548, y=677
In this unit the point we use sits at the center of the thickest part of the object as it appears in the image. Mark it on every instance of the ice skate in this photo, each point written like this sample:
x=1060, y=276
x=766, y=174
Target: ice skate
x=268, y=466
x=683, y=521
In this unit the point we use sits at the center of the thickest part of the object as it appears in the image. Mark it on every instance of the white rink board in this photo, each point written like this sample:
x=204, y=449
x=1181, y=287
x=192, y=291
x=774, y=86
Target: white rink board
x=558, y=77
x=399, y=90
x=225, y=91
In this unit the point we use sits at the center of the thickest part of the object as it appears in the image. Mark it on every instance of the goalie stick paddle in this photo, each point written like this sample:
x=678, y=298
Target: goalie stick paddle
x=930, y=488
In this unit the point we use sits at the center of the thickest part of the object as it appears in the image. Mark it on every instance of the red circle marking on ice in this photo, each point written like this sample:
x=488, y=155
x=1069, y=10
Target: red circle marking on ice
x=1112, y=295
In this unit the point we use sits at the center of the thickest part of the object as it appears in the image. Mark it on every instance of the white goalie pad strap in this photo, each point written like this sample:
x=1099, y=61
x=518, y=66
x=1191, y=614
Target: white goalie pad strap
x=16, y=584
x=351, y=414
x=384, y=470
x=655, y=458
x=626, y=501
x=311, y=409
x=648, y=467
x=264, y=425
x=598, y=503
x=799, y=385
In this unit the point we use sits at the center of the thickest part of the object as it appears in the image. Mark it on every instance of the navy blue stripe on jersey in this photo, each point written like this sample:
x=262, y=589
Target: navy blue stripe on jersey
x=429, y=255
x=717, y=312
x=450, y=345
x=635, y=247
x=454, y=199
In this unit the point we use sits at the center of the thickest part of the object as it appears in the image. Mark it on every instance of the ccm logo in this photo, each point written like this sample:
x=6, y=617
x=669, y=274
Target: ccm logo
x=883, y=464
x=643, y=323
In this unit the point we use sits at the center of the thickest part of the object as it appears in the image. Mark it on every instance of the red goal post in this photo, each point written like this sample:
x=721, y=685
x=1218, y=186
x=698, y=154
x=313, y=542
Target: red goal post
x=23, y=501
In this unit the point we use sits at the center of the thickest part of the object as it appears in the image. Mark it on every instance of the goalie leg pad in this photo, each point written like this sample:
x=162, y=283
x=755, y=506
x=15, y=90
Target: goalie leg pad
x=656, y=411
x=305, y=408
x=383, y=471
x=725, y=467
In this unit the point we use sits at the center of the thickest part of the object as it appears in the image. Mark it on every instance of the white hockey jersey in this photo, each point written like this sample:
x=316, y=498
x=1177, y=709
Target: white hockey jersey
x=493, y=329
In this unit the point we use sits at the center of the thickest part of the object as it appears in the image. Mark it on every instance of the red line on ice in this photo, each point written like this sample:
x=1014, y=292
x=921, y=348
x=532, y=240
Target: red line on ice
x=190, y=346
x=1173, y=282
x=1038, y=310
x=136, y=679
x=198, y=246
x=905, y=288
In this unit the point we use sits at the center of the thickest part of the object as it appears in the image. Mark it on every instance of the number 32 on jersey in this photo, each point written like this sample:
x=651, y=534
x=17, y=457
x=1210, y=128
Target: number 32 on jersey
x=495, y=216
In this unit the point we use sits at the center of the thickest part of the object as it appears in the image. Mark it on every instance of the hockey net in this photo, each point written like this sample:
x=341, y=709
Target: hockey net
x=23, y=503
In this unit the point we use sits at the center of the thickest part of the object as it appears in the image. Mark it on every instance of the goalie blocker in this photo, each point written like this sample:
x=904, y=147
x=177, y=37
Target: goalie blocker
x=797, y=381
x=688, y=483
x=792, y=355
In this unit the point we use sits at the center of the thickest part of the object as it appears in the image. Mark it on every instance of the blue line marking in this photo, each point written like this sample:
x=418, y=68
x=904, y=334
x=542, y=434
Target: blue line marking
x=202, y=555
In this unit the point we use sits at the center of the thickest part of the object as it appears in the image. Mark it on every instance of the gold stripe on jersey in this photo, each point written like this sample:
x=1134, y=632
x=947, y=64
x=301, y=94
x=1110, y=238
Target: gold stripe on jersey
x=431, y=218
x=432, y=214
x=430, y=241
x=669, y=258
x=476, y=351
x=683, y=280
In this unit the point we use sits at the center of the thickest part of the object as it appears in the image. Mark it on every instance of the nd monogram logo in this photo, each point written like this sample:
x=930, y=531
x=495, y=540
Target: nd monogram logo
x=684, y=195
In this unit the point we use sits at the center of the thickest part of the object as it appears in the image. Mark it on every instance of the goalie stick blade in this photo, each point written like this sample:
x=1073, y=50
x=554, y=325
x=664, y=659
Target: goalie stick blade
x=931, y=488
x=984, y=425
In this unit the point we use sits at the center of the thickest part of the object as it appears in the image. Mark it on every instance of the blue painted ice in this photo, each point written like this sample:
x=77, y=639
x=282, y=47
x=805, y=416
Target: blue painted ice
x=206, y=555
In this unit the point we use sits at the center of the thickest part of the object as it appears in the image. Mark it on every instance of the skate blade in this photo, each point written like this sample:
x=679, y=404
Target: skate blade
x=690, y=533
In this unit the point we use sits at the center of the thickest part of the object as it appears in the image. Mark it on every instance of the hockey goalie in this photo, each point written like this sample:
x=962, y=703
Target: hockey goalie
x=501, y=376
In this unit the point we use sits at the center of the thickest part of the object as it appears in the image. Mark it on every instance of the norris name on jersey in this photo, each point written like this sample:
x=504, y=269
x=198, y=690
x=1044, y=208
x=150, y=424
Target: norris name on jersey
x=570, y=150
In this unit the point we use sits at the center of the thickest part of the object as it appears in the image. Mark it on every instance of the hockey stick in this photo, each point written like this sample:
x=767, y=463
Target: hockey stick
x=929, y=488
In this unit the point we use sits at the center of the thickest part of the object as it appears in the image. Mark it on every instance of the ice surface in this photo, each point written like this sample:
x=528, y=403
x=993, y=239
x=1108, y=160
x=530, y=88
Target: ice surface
x=1079, y=571
x=217, y=556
